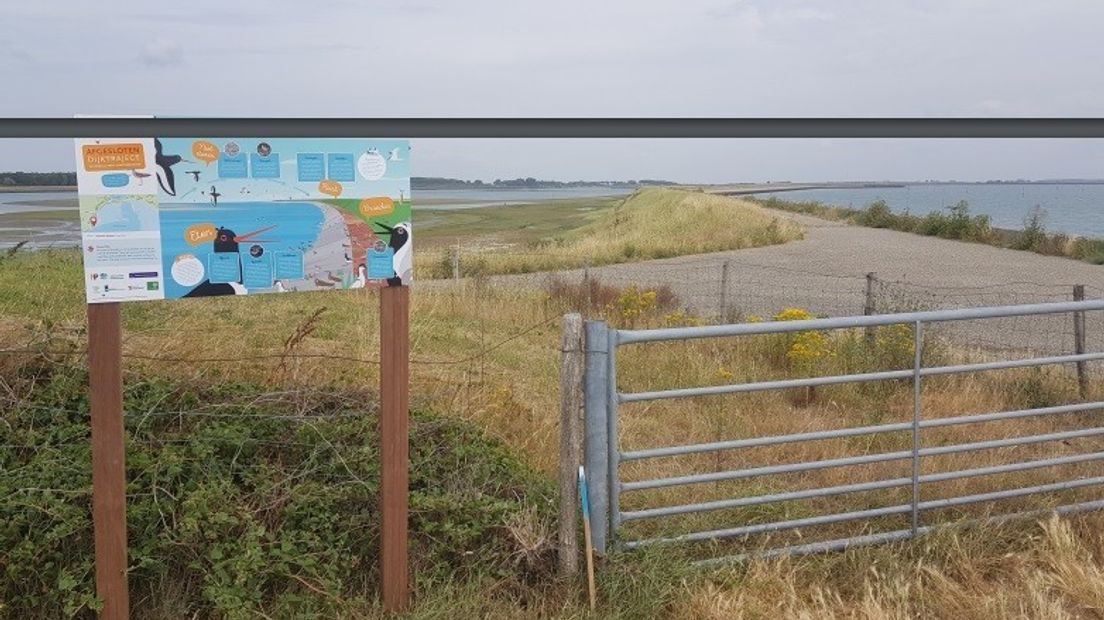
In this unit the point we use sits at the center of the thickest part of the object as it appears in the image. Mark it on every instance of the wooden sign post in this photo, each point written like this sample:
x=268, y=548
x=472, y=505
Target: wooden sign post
x=263, y=245
x=395, y=447
x=105, y=377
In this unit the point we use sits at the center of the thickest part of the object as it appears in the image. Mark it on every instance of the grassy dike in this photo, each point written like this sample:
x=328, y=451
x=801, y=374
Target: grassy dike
x=251, y=456
x=651, y=223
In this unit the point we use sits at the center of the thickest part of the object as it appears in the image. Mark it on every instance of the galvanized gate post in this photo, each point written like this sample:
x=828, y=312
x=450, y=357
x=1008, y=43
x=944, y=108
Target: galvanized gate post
x=596, y=400
x=613, y=452
x=917, y=414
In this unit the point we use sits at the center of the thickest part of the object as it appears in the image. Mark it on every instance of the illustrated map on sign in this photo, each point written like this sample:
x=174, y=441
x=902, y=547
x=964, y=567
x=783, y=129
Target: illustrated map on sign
x=180, y=217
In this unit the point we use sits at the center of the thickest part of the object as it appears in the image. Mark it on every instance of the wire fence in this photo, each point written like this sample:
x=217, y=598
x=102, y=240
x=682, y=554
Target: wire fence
x=720, y=288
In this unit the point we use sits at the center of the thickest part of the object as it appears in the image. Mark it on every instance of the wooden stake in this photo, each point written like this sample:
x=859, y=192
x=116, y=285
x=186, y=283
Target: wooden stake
x=394, y=445
x=1079, y=343
x=105, y=378
x=868, y=306
x=571, y=440
x=724, y=292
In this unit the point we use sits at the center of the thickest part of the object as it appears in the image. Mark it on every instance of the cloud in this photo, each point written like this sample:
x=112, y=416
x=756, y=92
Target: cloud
x=573, y=58
x=161, y=53
x=17, y=53
x=803, y=14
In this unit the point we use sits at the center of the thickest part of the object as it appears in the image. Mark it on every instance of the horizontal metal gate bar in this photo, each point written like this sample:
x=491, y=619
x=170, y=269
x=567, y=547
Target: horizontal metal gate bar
x=669, y=511
x=631, y=336
x=842, y=544
x=950, y=502
x=763, y=386
x=866, y=459
x=773, y=440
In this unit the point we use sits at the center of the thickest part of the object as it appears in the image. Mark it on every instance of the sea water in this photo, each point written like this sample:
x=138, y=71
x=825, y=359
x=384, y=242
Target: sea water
x=1074, y=209
x=297, y=227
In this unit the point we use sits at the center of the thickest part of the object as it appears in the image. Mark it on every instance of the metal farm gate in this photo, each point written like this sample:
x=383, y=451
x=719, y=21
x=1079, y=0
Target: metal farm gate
x=606, y=459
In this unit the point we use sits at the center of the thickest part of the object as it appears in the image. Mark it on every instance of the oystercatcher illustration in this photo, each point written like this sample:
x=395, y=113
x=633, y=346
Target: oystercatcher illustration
x=403, y=262
x=227, y=241
x=141, y=176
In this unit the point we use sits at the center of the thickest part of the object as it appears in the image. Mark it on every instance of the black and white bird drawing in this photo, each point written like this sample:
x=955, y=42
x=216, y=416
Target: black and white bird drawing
x=163, y=168
x=403, y=261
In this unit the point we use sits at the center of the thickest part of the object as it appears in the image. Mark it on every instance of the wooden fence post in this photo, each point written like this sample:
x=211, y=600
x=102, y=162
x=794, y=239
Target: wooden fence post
x=724, y=292
x=456, y=263
x=105, y=379
x=1079, y=342
x=587, y=287
x=869, y=306
x=571, y=440
x=395, y=447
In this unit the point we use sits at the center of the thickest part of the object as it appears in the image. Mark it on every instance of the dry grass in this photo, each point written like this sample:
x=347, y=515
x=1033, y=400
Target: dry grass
x=490, y=356
x=651, y=223
x=1050, y=570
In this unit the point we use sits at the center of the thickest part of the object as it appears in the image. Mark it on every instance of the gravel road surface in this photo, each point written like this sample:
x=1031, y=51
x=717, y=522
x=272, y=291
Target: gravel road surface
x=826, y=273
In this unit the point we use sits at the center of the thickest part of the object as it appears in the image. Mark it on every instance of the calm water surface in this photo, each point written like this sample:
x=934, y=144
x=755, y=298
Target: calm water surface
x=1075, y=209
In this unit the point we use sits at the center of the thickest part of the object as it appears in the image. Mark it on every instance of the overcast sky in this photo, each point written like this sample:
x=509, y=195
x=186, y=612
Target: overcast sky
x=568, y=58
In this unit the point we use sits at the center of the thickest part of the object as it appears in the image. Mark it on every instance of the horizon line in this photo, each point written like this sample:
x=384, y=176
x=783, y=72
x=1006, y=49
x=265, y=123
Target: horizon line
x=562, y=127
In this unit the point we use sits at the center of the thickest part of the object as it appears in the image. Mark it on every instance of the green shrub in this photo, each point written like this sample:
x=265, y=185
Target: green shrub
x=243, y=503
x=956, y=224
x=878, y=215
x=1088, y=250
x=1033, y=235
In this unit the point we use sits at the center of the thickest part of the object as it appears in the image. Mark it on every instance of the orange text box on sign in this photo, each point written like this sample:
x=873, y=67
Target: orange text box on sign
x=376, y=207
x=126, y=156
x=199, y=233
x=205, y=151
x=330, y=188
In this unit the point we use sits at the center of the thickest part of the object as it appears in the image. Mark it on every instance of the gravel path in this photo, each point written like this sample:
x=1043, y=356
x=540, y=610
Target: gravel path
x=825, y=273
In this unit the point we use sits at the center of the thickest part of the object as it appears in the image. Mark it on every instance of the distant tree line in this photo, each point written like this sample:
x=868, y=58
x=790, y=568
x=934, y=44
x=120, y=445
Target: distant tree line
x=70, y=178
x=524, y=183
x=12, y=179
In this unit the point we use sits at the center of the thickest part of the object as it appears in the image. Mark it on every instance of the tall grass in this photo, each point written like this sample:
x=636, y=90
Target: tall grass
x=651, y=223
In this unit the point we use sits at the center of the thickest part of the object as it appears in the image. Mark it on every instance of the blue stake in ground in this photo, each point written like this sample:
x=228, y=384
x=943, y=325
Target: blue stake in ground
x=585, y=501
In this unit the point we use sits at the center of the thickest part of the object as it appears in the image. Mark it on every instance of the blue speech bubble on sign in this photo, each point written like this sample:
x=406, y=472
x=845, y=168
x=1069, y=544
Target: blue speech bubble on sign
x=117, y=179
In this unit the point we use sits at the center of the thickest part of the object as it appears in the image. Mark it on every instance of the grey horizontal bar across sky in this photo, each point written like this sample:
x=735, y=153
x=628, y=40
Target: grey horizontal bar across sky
x=137, y=127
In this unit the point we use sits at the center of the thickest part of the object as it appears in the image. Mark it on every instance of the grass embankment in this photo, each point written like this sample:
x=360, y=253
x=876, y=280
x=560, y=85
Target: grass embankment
x=956, y=223
x=651, y=223
x=259, y=498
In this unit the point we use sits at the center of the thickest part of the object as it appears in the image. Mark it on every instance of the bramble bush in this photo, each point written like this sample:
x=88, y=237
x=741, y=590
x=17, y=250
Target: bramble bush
x=243, y=503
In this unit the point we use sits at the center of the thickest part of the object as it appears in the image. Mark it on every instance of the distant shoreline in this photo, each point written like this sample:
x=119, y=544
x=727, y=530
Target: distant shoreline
x=16, y=189
x=744, y=189
x=727, y=189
